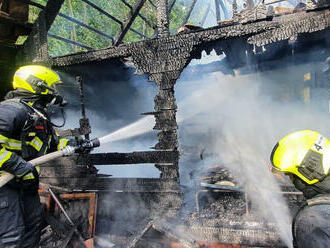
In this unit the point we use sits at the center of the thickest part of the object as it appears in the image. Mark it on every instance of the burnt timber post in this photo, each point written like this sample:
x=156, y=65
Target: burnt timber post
x=162, y=18
x=158, y=64
x=35, y=48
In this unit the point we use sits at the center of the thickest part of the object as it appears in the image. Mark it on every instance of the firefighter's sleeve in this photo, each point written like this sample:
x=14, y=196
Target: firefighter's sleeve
x=58, y=142
x=10, y=121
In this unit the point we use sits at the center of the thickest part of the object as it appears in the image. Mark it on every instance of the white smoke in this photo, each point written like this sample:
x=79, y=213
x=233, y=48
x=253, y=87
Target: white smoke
x=243, y=117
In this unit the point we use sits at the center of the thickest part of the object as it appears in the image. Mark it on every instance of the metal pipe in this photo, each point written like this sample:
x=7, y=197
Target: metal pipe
x=127, y=4
x=171, y=6
x=69, y=41
x=224, y=9
x=152, y=4
x=138, y=33
x=142, y=17
x=205, y=14
x=217, y=10
x=103, y=12
x=117, y=20
x=146, y=21
x=86, y=26
x=189, y=12
x=276, y=1
x=128, y=23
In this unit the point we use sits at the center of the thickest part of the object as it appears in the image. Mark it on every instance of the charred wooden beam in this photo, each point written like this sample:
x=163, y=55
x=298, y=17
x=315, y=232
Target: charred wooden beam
x=21, y=28
x=238, y=235
x=127, y=24
x=165, y=229
x=120, y=185
x=4, y=17
x=260, y=32
x=162, y=18
x=51, y=10
x=129, y=158
x=99, y=55
x=35, y=47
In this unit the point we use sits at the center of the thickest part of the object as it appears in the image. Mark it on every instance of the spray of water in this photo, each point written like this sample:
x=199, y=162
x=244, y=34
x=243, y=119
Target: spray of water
x=242, y=122
x=138, y=127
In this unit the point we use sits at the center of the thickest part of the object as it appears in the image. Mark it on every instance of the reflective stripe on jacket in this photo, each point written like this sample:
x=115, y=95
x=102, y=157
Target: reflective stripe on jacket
x=23, y=136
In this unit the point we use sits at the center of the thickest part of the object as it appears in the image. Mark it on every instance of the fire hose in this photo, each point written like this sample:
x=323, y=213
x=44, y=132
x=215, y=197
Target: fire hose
x=67, y=151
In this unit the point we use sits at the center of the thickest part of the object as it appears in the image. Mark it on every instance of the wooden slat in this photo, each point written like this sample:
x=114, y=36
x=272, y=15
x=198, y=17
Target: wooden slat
x=129, y=158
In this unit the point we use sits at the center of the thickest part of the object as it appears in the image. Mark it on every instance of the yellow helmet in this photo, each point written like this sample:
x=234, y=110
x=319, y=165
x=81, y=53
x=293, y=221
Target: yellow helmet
x=305, y=153
x=36, y=79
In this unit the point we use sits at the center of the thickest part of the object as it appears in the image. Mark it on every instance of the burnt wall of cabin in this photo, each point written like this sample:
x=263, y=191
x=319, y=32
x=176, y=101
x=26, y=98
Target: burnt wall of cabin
x=8, y=67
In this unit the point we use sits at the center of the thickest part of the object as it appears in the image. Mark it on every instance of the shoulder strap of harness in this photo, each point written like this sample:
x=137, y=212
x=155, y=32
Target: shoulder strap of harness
x=16, y=103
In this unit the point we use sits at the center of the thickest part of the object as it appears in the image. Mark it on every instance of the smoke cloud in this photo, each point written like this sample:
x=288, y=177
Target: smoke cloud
x=240, y=118
x=236, y=118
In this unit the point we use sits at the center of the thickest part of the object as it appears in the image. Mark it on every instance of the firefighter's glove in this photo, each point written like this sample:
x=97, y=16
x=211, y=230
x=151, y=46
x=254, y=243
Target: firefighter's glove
x=28, y=172
x=30, y=180
x=21, y=169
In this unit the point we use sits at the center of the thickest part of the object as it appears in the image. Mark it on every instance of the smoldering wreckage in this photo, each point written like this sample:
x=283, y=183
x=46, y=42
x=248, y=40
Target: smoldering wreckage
x=84, y=208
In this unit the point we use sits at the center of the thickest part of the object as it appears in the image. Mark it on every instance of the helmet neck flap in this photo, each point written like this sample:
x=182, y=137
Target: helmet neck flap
x=311, y=190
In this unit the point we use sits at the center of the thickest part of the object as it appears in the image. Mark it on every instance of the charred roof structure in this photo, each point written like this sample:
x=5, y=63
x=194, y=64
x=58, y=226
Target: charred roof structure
x=248, y=41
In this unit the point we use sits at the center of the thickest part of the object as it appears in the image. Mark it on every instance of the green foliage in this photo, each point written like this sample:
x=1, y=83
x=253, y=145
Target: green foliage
x=92, y=17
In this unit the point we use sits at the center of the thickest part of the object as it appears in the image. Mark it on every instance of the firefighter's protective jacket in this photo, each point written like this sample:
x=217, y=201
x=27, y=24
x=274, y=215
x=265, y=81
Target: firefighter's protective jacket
x=23, y=136
x=311, y=225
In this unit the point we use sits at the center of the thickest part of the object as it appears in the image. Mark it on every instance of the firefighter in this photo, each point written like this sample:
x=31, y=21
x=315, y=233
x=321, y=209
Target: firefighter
x=305, y=157
x=25, y=133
